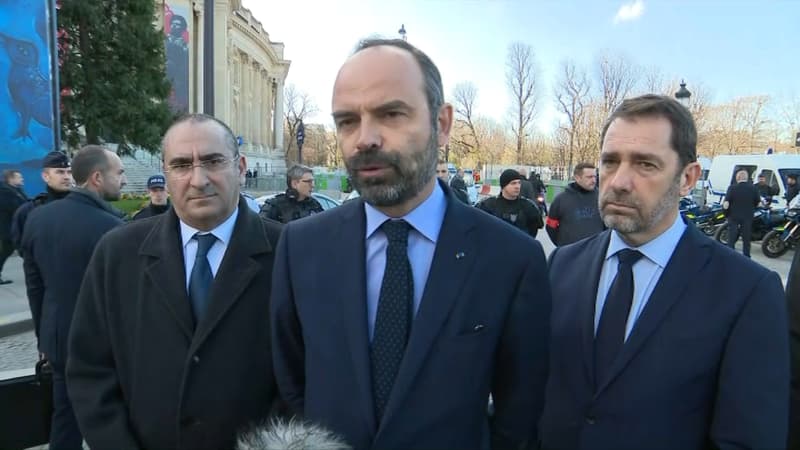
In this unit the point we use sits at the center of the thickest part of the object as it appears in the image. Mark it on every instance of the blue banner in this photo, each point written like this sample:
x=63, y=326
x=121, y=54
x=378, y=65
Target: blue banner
x=28, y=88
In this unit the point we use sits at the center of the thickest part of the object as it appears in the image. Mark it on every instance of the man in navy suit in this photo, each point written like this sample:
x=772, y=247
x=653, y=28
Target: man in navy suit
x=397, y=315
x=661, y=338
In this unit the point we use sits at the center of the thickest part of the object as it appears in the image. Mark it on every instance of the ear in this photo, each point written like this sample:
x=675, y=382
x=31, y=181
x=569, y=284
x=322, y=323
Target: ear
x=445, y=120
x=689, y=177
x=242, y=165
x=45, y=176
x=96, y=178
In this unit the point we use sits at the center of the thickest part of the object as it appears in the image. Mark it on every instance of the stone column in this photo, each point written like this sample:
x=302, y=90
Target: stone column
x=196, y=104
x=279, y=117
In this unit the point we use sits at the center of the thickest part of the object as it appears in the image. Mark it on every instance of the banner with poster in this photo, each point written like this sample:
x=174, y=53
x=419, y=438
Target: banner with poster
x=29, y=122
x=176, y=42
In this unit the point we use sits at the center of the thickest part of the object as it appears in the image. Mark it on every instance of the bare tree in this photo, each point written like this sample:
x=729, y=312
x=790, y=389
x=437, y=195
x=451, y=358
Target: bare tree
x=617, y=77
x=653, y=81
x=298, y=106
x=522, y=78
x=572, y=95
x=465, y=95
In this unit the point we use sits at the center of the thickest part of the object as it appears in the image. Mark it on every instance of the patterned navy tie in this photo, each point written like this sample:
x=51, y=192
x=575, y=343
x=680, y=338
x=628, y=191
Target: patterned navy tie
x=393, y=319
x=201, y=277
x=611, y=329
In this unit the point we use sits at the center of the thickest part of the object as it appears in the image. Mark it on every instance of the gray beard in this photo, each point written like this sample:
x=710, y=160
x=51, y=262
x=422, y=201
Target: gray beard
x=407, y=181
x=637, y=224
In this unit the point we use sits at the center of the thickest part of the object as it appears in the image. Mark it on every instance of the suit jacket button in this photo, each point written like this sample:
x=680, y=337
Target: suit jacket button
x=195, y=359
x=591, y=420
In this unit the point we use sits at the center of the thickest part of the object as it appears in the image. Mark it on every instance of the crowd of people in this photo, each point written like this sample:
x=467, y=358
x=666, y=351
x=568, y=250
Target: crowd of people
x=436, y=325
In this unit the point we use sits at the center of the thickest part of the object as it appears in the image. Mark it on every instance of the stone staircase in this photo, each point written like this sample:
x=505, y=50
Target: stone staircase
x=138, y=168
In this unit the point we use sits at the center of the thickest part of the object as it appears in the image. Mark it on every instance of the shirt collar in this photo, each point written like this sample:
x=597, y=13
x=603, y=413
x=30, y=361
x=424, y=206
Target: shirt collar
x=659, y=250
x=426, y=218
x=223, y=231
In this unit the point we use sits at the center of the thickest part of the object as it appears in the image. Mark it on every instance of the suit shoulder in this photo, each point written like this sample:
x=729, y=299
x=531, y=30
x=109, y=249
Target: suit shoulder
x=746, y=269
x=273, y=228
x=580, y=249
x=502, y=232
x=130, y=233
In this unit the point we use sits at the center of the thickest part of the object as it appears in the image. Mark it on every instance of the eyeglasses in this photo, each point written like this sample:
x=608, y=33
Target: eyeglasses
x=183, y=170
x=309, y=181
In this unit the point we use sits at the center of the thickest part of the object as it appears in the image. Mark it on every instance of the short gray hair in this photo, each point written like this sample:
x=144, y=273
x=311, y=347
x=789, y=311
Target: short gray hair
x=296, y=172
x=292, y=435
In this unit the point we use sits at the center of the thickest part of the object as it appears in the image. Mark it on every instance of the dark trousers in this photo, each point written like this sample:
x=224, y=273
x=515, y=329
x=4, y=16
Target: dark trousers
x=6, y=249
x=64, y=431
x=737, y=228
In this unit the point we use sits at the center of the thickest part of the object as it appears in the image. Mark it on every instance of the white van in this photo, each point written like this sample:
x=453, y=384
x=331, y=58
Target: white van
x=775, y=168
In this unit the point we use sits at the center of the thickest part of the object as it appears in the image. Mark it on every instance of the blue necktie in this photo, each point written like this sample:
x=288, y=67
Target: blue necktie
x=611, y=329
x=201, y=277
x=393, y=319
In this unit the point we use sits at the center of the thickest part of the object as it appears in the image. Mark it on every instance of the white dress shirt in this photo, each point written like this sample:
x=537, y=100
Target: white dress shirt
x=223, y=233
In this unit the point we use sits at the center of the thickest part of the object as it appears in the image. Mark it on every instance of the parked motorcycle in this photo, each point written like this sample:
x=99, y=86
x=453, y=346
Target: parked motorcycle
x=764, y=220
x=706, y=219
x=782, y=238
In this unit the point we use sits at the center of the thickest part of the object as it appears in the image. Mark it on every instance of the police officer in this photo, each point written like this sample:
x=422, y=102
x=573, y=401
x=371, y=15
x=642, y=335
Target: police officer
x=57, y=175
x=58, y=241
x=159, y=200
x=297, y=201
x=511, y=207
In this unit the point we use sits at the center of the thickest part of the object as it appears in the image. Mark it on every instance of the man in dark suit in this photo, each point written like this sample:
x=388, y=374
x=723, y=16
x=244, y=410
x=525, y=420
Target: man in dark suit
x=430, y=306
x=170, y=344
x=740, y=203
x=793, y=301
x=58, y=242
x=661, y=337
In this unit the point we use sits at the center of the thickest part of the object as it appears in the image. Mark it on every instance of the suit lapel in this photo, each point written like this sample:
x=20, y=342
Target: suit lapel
x=453, y=259
x=351, y=279
x=596, y=249
x=166, y=271
x=236, y=271
x=689, y=257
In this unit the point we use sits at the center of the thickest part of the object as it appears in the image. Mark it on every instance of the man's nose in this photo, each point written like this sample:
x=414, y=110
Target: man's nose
x=369, y=135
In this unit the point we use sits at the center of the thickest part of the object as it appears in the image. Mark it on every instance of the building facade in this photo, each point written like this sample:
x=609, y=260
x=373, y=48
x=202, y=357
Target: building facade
x=249, y=74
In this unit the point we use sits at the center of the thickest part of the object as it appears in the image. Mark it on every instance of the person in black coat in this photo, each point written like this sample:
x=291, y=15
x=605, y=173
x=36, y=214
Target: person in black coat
x=163, y=356
x=459, y=187
x=57, y=176
x=11, y=197
x=58, y=241
x=740, y=202
x=792, y=188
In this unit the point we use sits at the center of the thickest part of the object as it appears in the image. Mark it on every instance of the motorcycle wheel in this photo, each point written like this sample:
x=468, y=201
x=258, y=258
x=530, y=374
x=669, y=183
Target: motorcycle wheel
x=708, y=229
x=773, y=246
x=721, y=235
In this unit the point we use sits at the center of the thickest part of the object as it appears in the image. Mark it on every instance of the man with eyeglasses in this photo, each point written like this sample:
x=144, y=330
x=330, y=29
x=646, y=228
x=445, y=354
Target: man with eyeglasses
x=170, y=344
x=297, y=201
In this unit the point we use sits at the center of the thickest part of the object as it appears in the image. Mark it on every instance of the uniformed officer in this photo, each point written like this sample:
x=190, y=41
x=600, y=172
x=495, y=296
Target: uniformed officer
x=57, y=175
x=297, y=201
x=159, y=199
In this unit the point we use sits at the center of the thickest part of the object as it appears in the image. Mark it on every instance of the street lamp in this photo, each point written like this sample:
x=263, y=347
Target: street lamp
x=683, y=95
x=402, y=32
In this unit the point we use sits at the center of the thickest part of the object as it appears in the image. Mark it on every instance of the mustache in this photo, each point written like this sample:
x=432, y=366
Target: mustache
x=620, y=199
x=373, y=157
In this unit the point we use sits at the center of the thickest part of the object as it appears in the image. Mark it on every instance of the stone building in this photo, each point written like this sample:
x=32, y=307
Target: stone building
x=249, y=74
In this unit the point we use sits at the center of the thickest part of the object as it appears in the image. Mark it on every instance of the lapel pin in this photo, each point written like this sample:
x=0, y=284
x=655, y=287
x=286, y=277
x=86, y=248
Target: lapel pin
x=460, y=255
